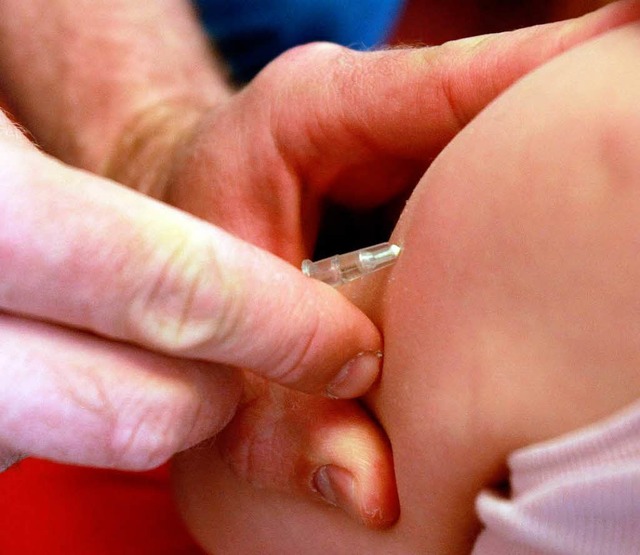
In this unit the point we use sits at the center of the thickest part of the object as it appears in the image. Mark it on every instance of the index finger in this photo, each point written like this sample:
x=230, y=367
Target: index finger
x=87, y=253
x=411, y=102
x=393, y=107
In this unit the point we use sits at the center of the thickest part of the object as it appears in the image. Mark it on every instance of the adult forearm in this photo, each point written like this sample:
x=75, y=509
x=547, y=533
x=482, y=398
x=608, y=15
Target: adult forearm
x=82, y=74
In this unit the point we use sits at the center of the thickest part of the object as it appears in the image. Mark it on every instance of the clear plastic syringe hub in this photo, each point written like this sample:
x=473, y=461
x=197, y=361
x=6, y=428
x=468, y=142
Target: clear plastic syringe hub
x=343, y=268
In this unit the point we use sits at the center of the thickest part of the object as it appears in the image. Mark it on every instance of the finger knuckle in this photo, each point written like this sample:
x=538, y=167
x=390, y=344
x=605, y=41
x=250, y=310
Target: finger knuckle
x=188, y=301
x=148, y=434
x=452, y=98
x=313, y=61
x=293, y=368
x=308, y=55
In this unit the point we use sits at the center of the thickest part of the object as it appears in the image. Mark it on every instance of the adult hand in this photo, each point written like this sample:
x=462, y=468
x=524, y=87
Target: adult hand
x=324, y=122
x=321, y=122
x=94, y=274
x=511, y=317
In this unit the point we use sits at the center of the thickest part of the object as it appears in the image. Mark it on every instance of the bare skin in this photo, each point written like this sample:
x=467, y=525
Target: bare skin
x=510, y=318
x=152, y=111
x=132, y=316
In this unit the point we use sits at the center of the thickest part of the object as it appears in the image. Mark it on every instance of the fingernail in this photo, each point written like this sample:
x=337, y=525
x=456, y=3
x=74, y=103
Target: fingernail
x=357, y=376
x=337, y=487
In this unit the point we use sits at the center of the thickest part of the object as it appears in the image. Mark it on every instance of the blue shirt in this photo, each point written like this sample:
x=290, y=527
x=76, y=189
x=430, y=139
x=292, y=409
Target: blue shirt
x=250, y=33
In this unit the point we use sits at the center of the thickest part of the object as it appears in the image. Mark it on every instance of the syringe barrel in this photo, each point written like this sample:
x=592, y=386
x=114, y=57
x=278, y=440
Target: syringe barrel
x=343, y=268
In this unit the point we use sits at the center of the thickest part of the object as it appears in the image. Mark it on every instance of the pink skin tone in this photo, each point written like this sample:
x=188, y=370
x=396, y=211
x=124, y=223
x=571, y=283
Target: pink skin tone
x=169, y=301
x=510, y=317
x=314, y=125
x=267, y=431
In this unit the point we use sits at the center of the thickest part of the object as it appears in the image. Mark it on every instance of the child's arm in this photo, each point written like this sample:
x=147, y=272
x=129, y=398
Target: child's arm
x=511, y=316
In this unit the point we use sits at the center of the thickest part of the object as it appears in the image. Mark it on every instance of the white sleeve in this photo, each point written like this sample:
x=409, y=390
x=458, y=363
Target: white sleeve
x=575, y=495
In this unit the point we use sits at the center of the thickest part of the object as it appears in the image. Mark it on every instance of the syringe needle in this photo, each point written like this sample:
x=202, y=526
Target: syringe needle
x=343, y=268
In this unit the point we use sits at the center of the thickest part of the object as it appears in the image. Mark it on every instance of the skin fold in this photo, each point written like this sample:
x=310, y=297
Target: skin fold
x=510, y=317
x=152, y=111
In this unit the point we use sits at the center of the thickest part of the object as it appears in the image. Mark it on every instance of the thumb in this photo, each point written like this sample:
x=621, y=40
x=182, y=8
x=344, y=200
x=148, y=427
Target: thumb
x=428, y=94
x=404, y=105
x=451, y=83
x=89, y=254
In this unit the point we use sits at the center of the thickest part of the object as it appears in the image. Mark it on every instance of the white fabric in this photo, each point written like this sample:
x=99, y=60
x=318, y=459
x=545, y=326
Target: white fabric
x=578, y=495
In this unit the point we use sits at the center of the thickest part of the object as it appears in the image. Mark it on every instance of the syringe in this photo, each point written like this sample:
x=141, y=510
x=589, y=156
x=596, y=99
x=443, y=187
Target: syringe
x=342, y=268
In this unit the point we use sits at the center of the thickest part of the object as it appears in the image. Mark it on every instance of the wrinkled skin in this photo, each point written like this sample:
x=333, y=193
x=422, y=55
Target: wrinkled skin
x=510, y=317
x=372, y=157
x=315, y=125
